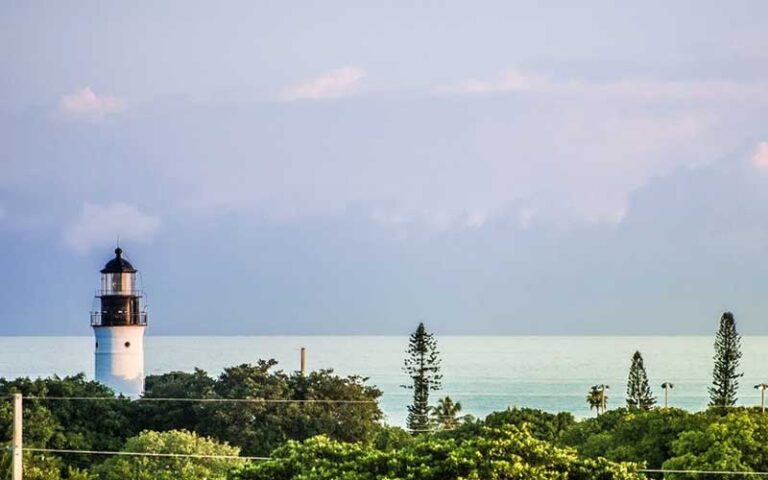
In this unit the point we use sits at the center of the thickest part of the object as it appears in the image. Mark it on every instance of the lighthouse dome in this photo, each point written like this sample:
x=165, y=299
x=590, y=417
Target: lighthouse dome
x=118, y=264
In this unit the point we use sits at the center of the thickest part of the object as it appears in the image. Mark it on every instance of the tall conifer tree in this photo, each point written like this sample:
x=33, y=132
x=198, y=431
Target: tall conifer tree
x=725, y=375
x=638, y=391
x=423, y=367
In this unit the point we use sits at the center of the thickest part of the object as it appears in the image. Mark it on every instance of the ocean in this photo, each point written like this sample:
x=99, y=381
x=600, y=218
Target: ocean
x=483, y=373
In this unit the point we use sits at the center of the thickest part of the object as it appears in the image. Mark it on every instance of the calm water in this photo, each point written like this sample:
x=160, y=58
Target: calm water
x=483, y=373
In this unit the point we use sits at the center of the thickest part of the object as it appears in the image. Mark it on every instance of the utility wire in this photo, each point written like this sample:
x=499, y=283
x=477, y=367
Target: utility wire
x=200, y=400
x=703, y=472
x=465, y=394
x=299, y=401
x=143, y=454
x=429, y=430
x=235, y=457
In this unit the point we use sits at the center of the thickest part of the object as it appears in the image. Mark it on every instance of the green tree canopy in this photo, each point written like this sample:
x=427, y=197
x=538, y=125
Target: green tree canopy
x=737, y=441
x=542, y=425
x=66, y=424
x=175, y=415
x=390, y=438
x=259, y=427
x=632, y=435
x=494, y=454
x=170, y=468
x=256, y=427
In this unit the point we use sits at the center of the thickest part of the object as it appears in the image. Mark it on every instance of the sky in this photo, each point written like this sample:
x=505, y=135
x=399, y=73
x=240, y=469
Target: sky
x=488, y=168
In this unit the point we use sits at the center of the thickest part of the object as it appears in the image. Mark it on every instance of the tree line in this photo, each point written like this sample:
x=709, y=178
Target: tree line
x=723, y=393
x=108, y=423
x=304, y=440
x=422, y=365
x=323, y=441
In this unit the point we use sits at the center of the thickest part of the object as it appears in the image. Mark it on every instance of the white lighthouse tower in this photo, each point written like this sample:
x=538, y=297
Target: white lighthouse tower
x=119, y=329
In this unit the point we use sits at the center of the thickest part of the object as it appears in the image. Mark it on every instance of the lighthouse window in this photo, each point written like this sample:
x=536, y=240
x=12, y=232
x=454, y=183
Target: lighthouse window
x=117, y=283
x=127, y=344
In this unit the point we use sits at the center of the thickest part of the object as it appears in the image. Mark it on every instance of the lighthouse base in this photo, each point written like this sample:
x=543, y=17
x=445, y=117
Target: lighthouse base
x=120, y=358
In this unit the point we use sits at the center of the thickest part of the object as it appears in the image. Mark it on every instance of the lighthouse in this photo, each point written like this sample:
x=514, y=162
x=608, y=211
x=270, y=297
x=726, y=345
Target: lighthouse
x=119, y=327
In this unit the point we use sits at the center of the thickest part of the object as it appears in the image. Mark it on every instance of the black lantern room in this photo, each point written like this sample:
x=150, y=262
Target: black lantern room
x=119, y=299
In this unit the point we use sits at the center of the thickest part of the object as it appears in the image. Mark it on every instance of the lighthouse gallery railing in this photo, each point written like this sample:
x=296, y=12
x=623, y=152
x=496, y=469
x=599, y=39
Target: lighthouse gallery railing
x=118, y=319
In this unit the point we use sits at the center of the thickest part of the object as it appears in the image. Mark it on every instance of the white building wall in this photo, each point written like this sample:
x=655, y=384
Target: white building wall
x=120, y=358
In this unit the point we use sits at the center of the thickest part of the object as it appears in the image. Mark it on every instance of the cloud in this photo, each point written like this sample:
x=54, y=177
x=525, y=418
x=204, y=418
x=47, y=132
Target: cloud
x=329, y=85
x=100, y=225
x=431, y=220
x=571, y=159
x=760, y=158
x=700, y=90
x=474, y=219
x=525, y=216
x=85, y=104
x=644, y=89
x=508, y=81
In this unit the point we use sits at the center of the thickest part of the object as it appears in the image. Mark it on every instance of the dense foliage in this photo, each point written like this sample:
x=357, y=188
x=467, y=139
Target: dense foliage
x=632, y=434
x=541, y=425
x=259, y=427
x=493, y=453
x=422, y=365
x=65, y=424
x=737, y=441
x=515, y=443
x=675, y=439
x=170, y=468
x=254, y=427
x=725, y=374
x=331, y=429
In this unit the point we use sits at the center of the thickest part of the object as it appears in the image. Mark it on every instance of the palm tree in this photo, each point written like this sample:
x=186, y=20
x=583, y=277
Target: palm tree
x=446, y=414
x=593, y=399
x=667, y=386
x=597, y=398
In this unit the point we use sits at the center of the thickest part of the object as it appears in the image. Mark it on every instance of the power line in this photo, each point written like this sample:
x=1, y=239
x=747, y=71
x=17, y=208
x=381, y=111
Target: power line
x=142, y=454
x=278, y=400
x=201, y=400
x=428, y=430
x=703, y=472
x=296, y=401
x=236, y=457
x=687, y=398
